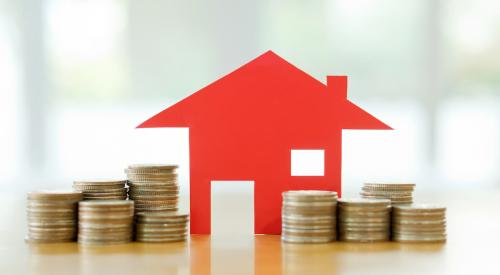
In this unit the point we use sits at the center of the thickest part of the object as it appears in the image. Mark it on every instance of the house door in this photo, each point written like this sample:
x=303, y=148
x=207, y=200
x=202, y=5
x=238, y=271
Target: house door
x=232, y=208
x=232, y=227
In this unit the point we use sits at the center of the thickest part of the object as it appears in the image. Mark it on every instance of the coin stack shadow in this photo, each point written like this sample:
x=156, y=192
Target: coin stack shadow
x=157, y=227
x=398, y=193
x=153, y=187
x=309, y=216
x=364, y=220
x=52, y=216
x=102, y=222
x=419, y=223
x=102, y=189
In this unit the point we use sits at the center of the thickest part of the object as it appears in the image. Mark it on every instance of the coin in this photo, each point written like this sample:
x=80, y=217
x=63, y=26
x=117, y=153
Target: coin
x=300, y=239
x=153, y=186
x=309, y=195
x=47, y=195
x=309, y=216
x=390, y=185
x=161, y=226
x=419, y=223
x=398, y=193
x=364, y=219
x=152, y=166
x=420, y=208
x=97, y=182
x=102, y=189
x=157, y=239
x=363, y=202
x=364, y=237
x=105, y=222
x=52, y=216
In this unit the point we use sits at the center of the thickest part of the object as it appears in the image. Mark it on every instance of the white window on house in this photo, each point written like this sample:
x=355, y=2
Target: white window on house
x=308, y=162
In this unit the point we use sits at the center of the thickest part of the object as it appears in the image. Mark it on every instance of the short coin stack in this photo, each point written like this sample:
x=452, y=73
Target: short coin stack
x=102, y=189
x=398, y=193
x=153, y=187
x=52, y=216
x=364, y=220
x=309, y=216
x=104, y=222
x=158, y=227
x=419, y=223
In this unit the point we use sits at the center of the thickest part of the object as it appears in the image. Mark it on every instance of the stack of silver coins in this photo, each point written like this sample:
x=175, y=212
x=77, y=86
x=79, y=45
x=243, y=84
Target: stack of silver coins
x=419, y=223
x=153, y=187
x=158, y=227
x=309, y=216
x=398, y=193
x=102, y=189
x=52, y=216
x=364, y=220
x=104, y=222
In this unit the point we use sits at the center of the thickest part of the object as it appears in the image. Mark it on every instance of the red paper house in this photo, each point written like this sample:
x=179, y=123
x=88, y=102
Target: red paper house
x=244, y=126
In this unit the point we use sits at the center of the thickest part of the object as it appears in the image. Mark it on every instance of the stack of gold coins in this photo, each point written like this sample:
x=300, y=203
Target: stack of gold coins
x=309, y=216
x=105, y=222
x=52, y=216
x=158, y=227
x=398, y=193
x=419, y=223
x=364, y=220
x=153, y=187
x=102, y=189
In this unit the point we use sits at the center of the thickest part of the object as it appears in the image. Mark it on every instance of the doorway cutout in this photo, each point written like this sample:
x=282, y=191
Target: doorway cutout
x=232, y=208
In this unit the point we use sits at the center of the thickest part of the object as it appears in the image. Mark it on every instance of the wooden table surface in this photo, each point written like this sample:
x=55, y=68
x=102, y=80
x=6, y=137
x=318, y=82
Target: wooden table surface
x=472, y=248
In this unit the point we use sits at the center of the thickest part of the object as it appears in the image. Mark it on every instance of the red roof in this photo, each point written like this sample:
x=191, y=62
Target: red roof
x=267, y=84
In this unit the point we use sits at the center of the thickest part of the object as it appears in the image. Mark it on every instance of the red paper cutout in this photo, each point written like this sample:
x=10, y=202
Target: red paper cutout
x=244, y=125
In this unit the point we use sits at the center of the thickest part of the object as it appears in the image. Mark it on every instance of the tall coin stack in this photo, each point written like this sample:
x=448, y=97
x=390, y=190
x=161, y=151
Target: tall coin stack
x=102, y=189
x=309, y=216
x=153, y=187
x=52, y=216
x=157, y=227
x=364, y=220
x=398, y=193
x=419, y=223
x=104, y=222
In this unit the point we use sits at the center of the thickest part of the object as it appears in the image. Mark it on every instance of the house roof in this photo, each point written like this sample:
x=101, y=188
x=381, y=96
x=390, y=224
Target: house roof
x=352, y=116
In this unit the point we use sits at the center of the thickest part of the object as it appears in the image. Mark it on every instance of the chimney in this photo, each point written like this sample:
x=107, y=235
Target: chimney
x=337, y=85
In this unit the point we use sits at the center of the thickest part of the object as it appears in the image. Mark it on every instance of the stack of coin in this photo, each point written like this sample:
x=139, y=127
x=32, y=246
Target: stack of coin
x=309, y=216
x=153, y=187
x=419, y=223
x=105, y=221
x=52, y=216
x=364, y=220
x=398, y=193
x=102, y=189
x=158, y=227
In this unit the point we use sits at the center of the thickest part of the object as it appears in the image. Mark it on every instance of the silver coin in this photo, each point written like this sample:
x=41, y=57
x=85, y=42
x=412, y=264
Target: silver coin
x=295, y=239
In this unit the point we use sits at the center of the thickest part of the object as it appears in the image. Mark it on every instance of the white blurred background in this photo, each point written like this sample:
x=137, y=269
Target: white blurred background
x=77, y=76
